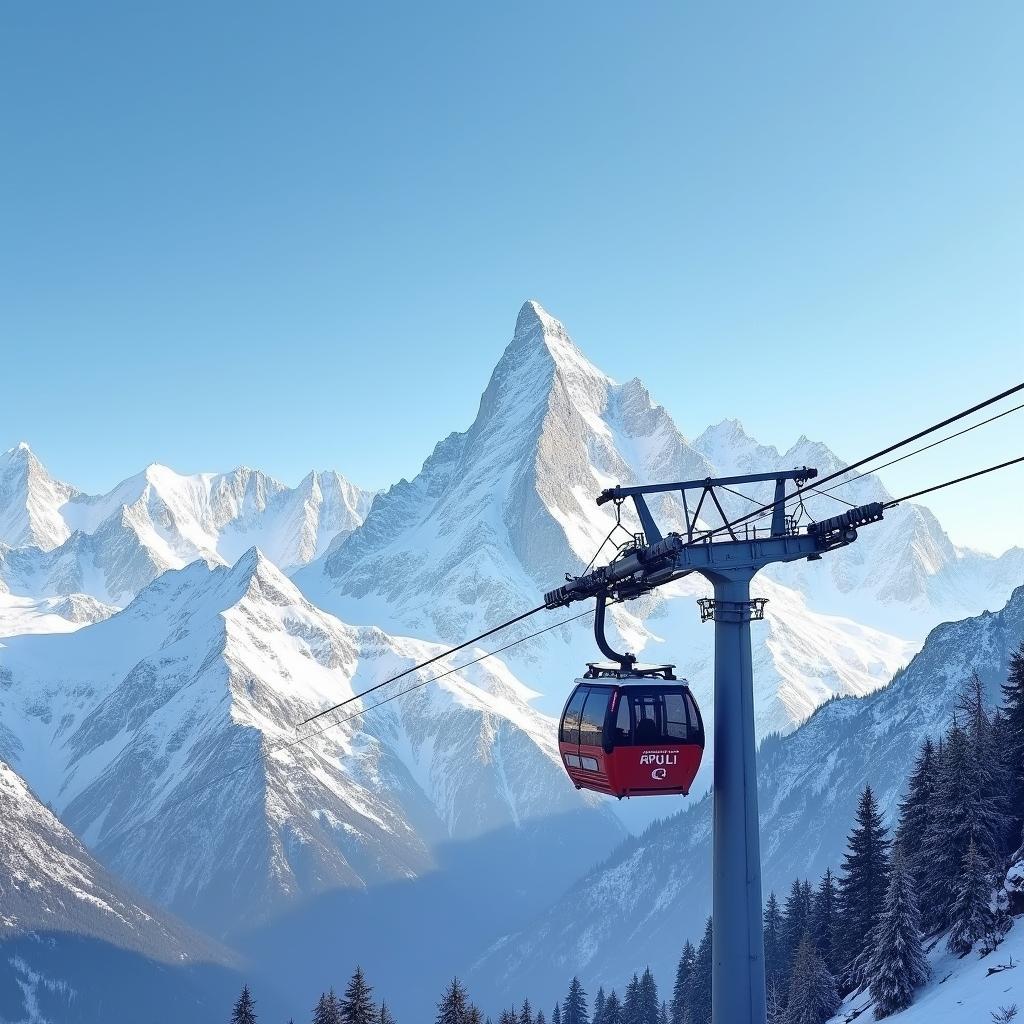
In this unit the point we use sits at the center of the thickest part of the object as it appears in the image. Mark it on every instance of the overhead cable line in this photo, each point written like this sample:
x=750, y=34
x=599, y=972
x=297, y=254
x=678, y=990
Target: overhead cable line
x=827, y=492
x=287, y=745
x=949, y=483
x=729, y=526
x=424, y=664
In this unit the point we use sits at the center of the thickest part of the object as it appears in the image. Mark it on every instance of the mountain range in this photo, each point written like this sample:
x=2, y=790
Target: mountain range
x=163, y=643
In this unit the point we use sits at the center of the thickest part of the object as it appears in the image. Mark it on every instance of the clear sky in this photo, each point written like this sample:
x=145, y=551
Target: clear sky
x=297, y=235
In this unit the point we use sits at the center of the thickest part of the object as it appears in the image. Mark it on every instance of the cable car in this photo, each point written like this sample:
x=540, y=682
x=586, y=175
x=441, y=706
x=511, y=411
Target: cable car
x=630, y=729
x=631, y=732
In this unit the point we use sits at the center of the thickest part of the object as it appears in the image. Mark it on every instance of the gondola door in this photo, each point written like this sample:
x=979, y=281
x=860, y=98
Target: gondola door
x=582, y=736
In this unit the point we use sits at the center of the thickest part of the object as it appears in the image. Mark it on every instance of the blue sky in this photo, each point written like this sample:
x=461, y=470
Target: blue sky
x=297, y=235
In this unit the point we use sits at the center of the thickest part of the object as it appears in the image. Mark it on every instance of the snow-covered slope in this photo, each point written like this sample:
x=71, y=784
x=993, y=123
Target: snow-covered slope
x=499, y=512
x=971, y=990
x=30, y=501
x=655, y=891
x=160, y=736
x=67, y=928
x=56, y=541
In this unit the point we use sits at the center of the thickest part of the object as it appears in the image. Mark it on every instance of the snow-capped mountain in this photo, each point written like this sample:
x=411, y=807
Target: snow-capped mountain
x=655, y=891
x=499, y=512
x=67, y=927
x=56, y=541
x=165, y=737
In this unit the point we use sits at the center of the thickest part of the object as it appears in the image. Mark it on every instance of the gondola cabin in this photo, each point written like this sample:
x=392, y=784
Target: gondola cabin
x=631, y=732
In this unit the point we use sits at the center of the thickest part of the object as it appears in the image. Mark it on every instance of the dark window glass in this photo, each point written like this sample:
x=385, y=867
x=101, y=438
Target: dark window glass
x=648, y=716
x=623, y=729
x=677, y=726
x=594, y=711
x=570, y=731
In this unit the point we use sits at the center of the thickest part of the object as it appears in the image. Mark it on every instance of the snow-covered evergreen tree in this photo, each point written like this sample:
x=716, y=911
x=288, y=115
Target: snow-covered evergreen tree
x=385, y=1016
x=327, y=1009
x=862, y=885
x=663, y=1013
x=897, y=965
x=244, y=1011
x=613, y=1009
x=915, y=813
x=454, y=1004
x=526, y=1013
x=825, y=925
x=796, y=918
x=774, y=961
x=700, y=987
x=970, y=915
x=473, y=1014
x=631, y=1013
x=681, y=989
x=574, y=1008
x=599, y=1001
x=356, y=1005
x=540, y=1018
x=650, y=1004
x=813, y=996
x=1013, y=714
x=556, y=1014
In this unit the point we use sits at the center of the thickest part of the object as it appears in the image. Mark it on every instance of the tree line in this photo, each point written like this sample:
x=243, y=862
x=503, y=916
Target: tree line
x=938, y=873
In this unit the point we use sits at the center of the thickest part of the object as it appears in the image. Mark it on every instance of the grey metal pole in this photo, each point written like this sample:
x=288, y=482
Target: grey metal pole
x=738, y=986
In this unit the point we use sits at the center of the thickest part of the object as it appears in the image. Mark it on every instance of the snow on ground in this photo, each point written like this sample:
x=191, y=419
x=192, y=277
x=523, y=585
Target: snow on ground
x=961, y=991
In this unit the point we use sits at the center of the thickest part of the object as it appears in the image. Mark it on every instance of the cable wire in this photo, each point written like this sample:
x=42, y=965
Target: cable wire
x=424, y=664
x=949, y=483
x=706, y=537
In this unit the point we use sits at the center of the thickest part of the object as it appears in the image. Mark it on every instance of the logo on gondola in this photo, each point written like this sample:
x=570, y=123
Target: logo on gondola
x=659, y=773
x=659, y=757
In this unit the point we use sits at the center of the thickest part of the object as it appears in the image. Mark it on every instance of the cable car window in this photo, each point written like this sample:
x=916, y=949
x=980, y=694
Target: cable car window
x=590, y=763
x=648, y=714
x=623, y=729
x=677, y=728
x=570, y=731
x=592, y=719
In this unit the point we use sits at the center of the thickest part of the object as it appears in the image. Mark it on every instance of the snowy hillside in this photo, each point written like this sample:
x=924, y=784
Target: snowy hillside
x=960, y=991
x=156, y=734
x=56, y=541
x=500, y=512
x=655, y=890
x=67, y=926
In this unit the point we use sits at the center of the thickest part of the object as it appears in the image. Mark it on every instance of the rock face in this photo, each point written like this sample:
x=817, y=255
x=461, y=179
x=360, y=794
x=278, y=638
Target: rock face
x=654, y=892
x=165, y=736
x=67, y=928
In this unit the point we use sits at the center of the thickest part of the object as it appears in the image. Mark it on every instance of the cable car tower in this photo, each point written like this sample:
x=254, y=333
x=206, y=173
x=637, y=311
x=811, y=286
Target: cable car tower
x=729, y=556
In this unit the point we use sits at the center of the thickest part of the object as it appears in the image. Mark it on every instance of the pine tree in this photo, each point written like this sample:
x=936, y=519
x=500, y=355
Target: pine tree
x=385, y=1015
x=356, y=1006
x=681, y=989
x=774, y=961
x=508, y=1017
x=970, y=915
x=650, y=1005
x=526, y=1013
x=915, y=813
x=613, y=1009
x=598, y=1007
x=700, y=988
x=631, y=1004
x=897, y=966
x=796, y=918
x=473, y=1014
x=574, y=1010
x=1013, y=715
x=454, y=1004
x=244, y=1011
x=540, y=1018
x=556, y=1015
x=862, y=885
x=990, y=783
x=327, y=1009
x=813, y=996
x=663, y=1013
x=825, y=928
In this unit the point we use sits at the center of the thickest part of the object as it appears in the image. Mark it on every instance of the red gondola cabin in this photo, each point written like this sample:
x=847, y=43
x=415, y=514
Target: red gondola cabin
x=631, y=732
